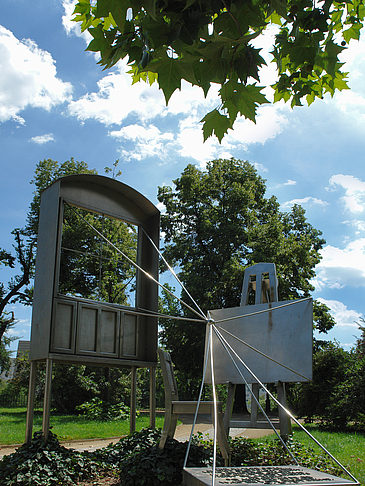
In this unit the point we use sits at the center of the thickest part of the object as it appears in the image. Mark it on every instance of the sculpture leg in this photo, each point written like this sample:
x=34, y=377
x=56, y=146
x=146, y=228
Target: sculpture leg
x=254, y=407
x=229, y=407
x=47, y=398
x=30, y=406
x=153, y=397
x=284, y=420
x=133, y=407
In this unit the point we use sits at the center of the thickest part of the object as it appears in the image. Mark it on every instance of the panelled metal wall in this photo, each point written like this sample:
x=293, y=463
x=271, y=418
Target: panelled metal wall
x=73, y=329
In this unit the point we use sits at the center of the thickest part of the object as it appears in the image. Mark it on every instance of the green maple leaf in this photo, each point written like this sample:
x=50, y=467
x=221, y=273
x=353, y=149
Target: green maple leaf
x=169, y=75
x=329, y=59
x=217, y=123
x=238, y=98
x=352, y=33
x=99, y=42
x=117, y=8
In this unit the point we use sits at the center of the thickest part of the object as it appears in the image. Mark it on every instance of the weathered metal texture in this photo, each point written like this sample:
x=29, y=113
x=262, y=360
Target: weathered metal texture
x=79, y=330
x=284, y=334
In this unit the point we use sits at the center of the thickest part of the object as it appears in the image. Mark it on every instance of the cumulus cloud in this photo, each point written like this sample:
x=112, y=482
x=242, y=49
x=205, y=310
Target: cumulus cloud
x=117, y=98
x=354, y=198
x=190, y=143
x=28, y=77
x=341, y=267
x=358, y=224
x=270, y=122
x=305, y=201
x=289, y=182
x=41, y=139
x=343, y=316
x=147, y=142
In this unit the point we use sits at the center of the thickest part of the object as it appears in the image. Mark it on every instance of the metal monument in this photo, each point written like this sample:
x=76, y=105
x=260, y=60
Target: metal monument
x=93, y=302
x=96, y=302
x=275, y=338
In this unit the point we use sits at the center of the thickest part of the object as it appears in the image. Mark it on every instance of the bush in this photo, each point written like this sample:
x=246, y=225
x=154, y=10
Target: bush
x=41, y=463
x=152, y=466
x=96, y=409
x=136, y=442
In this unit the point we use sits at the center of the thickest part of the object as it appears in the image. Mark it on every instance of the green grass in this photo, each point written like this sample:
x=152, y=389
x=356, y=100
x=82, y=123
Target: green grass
x=66, y=427
x=347, y=447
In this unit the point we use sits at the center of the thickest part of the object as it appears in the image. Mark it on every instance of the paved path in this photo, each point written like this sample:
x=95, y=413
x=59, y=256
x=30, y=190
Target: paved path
x=182, y=434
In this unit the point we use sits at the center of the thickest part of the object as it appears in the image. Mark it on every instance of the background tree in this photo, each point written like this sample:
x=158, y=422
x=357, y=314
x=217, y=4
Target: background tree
x=336, y=395
x=207, y=42
x=217, y=222
x=12, y=292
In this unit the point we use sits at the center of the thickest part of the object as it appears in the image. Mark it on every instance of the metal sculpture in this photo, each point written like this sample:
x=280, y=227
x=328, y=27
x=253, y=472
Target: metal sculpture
x=274, y=337
x=73, y=325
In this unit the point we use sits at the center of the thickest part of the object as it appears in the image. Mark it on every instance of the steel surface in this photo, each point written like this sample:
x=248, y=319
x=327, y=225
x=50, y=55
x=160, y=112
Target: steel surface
x=284, y=334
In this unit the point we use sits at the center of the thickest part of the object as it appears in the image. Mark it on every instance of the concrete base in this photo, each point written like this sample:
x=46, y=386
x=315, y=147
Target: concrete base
x=261, y=476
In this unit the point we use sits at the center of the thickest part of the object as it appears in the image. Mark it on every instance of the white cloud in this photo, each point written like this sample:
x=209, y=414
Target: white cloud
x=342, y=267
x=117, y=98
x=358, y=224
x=354, y=198
x=260, y=167
x=148, y=142
x=190, y=143
x=28, y=78
x=190, y=100
x=289, y=182
x=354, y=57
x=343, y=316
x=309, y=200
x=270, y=122
x=41, y=139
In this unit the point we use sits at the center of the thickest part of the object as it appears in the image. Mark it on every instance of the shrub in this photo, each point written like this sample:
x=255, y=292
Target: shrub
x=96, y=409
x=152, y=466
x=134, y=443
x=41, y=463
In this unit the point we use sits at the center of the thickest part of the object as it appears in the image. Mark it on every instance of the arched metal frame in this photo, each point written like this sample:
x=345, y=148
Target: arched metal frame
x=61, y=324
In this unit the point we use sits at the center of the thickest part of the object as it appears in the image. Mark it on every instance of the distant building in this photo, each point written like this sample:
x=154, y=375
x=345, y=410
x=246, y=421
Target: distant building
x=22, y=351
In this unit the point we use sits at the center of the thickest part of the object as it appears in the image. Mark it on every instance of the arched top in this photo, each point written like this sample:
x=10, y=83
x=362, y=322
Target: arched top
x=105, y=195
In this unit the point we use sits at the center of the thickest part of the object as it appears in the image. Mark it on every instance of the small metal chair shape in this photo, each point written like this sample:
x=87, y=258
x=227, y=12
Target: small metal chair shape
x=175, y=408
x=259, y=286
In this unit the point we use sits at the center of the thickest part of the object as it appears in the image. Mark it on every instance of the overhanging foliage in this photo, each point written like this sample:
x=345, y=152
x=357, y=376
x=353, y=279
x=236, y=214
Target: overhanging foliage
x=213, y=41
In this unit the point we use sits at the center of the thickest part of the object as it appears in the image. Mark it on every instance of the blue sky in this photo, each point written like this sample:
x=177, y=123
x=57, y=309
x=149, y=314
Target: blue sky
x=56, y=102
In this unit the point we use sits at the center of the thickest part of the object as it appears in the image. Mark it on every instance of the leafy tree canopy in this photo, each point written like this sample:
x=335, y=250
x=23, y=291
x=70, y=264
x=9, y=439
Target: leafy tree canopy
x=213, y=41
x=219, y=221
